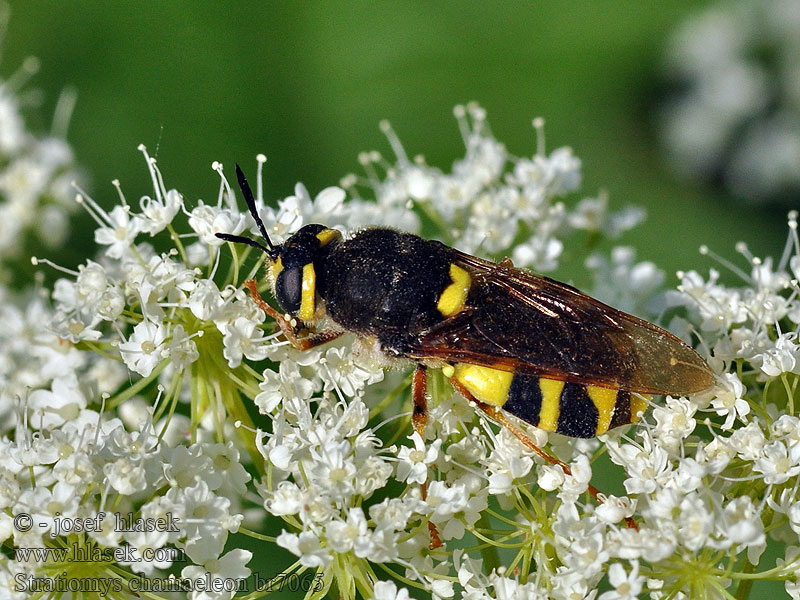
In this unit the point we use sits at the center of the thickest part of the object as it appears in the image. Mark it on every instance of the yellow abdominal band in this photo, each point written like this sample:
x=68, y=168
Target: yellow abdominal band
x=569, y=408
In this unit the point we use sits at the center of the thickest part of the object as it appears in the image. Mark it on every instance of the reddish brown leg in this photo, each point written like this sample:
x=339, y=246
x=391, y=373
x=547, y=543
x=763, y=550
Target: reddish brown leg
x=301, y=343
x=498, y=416
x=419, y=392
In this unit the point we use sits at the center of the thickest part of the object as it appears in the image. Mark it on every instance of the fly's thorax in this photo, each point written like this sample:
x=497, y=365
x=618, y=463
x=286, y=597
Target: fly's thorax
x=293, y=272
x=391, y=285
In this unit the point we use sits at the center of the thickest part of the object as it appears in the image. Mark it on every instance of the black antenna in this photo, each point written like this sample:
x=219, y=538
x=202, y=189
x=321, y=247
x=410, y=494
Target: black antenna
x=240, y=239
x=251, y=205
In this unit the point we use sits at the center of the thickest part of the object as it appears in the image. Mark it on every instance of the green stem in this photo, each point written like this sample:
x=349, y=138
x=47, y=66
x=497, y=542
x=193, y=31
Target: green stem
x=178, y=244
x=131, y=391
x=376, y=410
x=256, y=535
x=437, y=220
x=745, y=585
x=489, y=554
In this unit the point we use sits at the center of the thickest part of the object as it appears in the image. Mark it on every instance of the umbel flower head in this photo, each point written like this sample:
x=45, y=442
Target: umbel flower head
x=733, y=115
x=36, y=172
x=709, y=481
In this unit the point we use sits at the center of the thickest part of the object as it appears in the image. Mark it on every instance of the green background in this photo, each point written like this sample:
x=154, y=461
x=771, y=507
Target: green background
x=307, y=84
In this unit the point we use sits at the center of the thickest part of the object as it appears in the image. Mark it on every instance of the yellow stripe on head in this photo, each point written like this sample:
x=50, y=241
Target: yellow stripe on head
x=486, y=384
x=551, y=398
x=454, y=295
x=604, y=399
x=307, y=304
x=276, y=266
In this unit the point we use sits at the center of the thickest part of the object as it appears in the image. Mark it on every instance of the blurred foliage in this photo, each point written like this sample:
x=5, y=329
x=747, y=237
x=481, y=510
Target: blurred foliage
x=307, y=84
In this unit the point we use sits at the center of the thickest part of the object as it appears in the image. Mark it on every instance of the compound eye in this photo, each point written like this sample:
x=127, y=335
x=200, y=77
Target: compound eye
x=289, y=289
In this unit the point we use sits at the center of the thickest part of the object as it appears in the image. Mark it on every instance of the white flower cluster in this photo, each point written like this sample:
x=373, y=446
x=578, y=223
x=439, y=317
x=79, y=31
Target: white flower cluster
x=89, y=503
x=709, y=483
x=36, y=173
x=53, y=378
x=491, y=203
x=735, y=112
x=715, y=478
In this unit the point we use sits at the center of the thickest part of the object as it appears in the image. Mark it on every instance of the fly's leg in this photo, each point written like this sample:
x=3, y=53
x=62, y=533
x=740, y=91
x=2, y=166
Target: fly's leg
x=419, y=392
x=496, y=415
x=301, y=343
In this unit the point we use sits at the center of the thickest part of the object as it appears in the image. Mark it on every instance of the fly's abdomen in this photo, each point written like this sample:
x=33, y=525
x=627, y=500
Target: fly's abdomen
x=573, y=409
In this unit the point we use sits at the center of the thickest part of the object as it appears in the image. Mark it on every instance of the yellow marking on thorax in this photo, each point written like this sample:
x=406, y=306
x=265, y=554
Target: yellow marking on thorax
x=638, y=405
x=551, y=396
x=307, y=308
x=327, y=235
x=275, y=268
x=486, y=384
x=604, y=399
x=454, y=295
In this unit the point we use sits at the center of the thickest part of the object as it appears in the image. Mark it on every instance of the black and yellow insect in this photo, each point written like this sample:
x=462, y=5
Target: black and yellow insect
x=539, y=349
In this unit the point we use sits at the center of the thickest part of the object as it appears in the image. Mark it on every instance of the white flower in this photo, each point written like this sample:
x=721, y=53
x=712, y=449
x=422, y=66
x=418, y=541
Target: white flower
x=350, y=535
x=227, y=575
x=741, y=524
x=675, y=421
x=307, y=547
x=158, y=212
x=748, y=441
x=626, y=585
x=776, y=463
x=538, y=252
x=243, y=338
x=228, y=472
x=143, y=349
x=782, y=357
x=206, y=521
x=334, y=469
x=550, y=477
x=35, y=174
x=119, y=232
x=61, y=403
x=327, y=204
x=507, y=463
x=342, y=370
x=695, y=522
x=185, y=466
x=207, y=221
x=387, y=590
x=446, y=500
x=647, y=467
x=624, y=283
x=182, y=351
x=126, y=476
x=728, y=400
x=286, y=383
x=614, y=509
x=577, y=482
x=412, y=466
